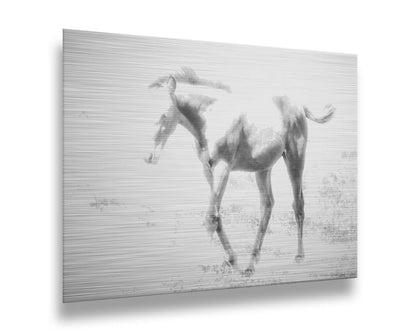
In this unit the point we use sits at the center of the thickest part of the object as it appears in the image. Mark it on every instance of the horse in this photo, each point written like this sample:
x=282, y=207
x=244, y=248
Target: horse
x=241, y=148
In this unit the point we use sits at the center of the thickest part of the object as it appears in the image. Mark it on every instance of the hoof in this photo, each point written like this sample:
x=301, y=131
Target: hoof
x=299, y=258
x=233, y=261
x=248, y=272
x=230, y=262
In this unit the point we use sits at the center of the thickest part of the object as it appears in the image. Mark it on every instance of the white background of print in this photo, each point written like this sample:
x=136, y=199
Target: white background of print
x=381, y=33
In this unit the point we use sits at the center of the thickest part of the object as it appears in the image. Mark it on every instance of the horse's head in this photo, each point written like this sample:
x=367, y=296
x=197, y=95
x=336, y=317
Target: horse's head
x=185, y=110
x=166, y=124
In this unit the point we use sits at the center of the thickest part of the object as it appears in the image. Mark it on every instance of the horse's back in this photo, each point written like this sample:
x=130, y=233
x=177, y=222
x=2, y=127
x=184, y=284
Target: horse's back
x=259, y=115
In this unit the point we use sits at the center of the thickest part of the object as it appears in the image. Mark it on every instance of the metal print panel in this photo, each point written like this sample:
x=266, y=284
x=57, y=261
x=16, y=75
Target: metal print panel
x=196, y=165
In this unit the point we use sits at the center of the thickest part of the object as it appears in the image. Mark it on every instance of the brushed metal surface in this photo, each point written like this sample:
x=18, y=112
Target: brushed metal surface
x=131, y=228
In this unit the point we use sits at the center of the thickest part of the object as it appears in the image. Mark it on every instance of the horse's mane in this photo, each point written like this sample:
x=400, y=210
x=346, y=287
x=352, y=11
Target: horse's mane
x=188, y=75
x=201, y=101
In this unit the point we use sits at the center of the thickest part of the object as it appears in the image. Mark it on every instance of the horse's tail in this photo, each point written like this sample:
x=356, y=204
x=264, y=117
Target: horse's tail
x=329, y=114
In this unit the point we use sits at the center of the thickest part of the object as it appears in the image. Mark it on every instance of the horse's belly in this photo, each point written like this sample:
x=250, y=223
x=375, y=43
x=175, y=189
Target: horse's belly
x=258, y=157
x=244, y=147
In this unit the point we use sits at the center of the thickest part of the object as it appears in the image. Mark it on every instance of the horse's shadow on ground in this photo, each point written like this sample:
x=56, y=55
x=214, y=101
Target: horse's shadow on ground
x=178, y=302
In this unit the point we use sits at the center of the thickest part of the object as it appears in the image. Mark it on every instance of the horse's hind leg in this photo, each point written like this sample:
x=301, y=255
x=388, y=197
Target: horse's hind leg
x=213, y=217
x=263, y=179
x=295, y=160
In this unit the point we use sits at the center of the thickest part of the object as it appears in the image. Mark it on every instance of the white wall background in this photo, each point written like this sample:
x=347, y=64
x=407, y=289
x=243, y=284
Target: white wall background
x=381, y=33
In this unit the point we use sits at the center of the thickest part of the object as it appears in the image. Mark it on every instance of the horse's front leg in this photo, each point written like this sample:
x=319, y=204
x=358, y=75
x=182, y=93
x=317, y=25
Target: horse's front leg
x=263, y=179
x=213, y=217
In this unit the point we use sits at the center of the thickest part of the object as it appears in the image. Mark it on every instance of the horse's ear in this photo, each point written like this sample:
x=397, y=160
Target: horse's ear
x=171, y=84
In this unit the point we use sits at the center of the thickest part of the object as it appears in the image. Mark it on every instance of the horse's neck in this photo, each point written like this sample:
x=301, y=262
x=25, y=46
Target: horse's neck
x=197, y=132
x=191, y=108
x=201, y=144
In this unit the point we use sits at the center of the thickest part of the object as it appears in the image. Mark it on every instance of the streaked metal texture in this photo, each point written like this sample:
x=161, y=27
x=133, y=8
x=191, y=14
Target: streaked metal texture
x=131, y=228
